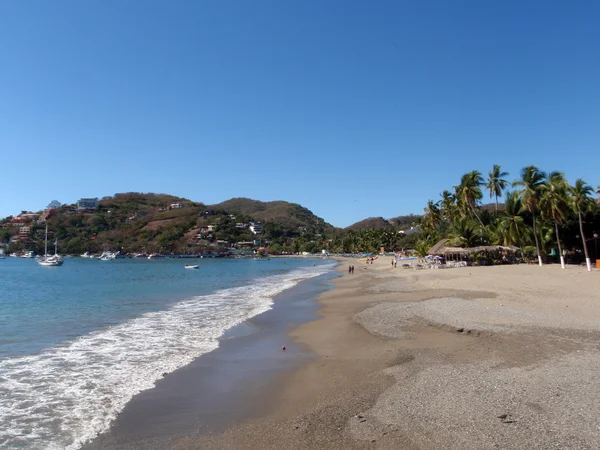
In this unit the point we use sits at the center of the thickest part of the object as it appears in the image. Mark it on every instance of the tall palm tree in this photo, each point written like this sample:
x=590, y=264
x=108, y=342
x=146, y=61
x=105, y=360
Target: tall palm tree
x=582, y=202
x=433, y=215
x=468, y=193
x=512, y=228
x=448, y=206
x=532, y=181
x=495, y=183
x=554, y=205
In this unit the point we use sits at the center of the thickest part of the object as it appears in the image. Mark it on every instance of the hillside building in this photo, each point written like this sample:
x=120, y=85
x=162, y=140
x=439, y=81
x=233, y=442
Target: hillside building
x=256, y=227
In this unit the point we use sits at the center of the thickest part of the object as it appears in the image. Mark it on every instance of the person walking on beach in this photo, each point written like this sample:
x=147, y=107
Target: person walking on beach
x=350, y=269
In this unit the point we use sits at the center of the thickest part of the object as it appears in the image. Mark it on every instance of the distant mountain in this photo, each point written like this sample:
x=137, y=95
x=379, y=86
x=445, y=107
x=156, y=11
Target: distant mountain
x=371, y=222
x=405, y=221
x=289, y=215
x=402, y=222
x=492, y=207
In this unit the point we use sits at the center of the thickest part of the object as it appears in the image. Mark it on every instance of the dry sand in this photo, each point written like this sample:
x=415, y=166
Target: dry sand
x=469, y=358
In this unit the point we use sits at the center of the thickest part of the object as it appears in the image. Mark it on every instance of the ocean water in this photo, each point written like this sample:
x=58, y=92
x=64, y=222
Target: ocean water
x=77, y=342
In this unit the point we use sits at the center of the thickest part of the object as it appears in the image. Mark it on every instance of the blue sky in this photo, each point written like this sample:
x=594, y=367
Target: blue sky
x=353, y=109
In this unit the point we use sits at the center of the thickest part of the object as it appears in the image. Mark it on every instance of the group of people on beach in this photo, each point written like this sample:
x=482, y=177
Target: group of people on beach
x=350, y=268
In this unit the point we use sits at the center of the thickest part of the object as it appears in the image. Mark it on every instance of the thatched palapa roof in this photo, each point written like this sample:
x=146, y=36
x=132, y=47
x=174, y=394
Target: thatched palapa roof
x=442, y=249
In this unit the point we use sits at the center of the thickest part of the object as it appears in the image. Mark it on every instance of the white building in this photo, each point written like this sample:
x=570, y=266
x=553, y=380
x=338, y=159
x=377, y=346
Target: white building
x=87, y=203
x=176, y=205
x=211, y=227
x=256, y=227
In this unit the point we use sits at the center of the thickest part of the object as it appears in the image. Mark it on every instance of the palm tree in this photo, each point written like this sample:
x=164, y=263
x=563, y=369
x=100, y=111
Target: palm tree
x=422, y=247
x=581, y=202
x=554, y=204
x=468, y=193
x=465, y=233
x=390, y=239
x=433, y=216
x=496, y=184
x=448, y=206
x=512, y=229
x=532, y=181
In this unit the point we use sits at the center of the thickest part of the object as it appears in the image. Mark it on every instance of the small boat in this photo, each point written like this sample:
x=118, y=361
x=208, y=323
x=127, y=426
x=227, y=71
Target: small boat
x=50, y=261
x=191, y=266
x=108, y=256
x=28, y=254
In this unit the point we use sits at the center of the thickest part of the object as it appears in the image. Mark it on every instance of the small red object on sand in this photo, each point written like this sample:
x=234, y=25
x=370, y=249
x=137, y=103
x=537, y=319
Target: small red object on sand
x=283, y=348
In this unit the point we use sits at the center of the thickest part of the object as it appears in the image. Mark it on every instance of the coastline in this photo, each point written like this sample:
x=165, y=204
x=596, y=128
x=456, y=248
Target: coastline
x=223, y=386
x=490, y=357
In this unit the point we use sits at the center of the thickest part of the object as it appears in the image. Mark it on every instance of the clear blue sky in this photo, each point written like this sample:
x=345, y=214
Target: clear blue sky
x=353, y=109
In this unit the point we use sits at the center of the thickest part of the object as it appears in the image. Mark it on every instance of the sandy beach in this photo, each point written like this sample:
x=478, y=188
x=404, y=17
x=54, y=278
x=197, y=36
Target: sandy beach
x=470, y=358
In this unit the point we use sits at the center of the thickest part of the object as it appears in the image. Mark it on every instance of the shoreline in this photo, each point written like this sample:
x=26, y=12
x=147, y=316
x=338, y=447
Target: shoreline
x=224, y=386
x=417, y=359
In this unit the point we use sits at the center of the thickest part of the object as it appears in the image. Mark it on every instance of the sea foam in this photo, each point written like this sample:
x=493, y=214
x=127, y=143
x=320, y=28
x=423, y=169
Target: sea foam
x=68, y=394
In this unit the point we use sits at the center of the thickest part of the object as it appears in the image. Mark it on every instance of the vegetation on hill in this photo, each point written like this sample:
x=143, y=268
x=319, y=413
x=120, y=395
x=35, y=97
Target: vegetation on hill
x=405, y=222
x=371, y=222
x=138, y=222
x=288, y=215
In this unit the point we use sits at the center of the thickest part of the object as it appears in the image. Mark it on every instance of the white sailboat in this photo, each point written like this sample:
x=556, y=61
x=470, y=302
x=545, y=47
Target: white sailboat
x=50, y=261
x=108, y=256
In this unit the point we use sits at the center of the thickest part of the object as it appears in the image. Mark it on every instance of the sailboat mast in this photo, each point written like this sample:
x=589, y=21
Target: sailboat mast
x=46, y=243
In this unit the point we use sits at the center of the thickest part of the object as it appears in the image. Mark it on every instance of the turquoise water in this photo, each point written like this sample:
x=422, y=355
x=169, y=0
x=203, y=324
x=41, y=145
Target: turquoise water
x=78, y=341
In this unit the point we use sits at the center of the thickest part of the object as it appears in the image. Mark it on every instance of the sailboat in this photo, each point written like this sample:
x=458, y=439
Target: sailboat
x=50, y=261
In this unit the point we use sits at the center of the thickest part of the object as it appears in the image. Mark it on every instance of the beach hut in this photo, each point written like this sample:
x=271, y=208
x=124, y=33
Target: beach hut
x=448, y=252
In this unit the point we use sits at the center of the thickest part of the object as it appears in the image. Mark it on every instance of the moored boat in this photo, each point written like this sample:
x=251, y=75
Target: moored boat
x=50, y=261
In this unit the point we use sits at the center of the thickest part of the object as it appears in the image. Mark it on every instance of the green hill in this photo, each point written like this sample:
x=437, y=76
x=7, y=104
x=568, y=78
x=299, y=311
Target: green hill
x=146, y=222
x=404, y=222
x=370, y=223
x=289, y=215
x=378, y=223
